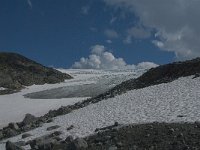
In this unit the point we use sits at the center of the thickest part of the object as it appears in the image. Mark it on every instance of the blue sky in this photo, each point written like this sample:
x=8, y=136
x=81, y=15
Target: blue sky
x=59, y=32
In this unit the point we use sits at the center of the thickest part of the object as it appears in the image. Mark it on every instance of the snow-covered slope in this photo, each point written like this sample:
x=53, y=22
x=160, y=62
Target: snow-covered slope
x=177, y=101
x=13, y=107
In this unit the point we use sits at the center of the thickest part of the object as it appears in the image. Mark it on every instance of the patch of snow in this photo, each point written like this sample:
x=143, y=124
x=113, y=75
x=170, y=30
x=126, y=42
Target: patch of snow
x=161, y=103
x=2, y=88
x=13, y=107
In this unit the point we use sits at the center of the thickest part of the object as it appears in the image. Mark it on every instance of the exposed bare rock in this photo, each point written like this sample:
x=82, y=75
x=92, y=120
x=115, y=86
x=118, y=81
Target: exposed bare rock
x=12, y=146
x=17, y=71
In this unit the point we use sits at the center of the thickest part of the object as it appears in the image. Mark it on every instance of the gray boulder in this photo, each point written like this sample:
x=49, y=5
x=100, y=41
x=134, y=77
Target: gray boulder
x=112, y=148
x=12, y=146
x=69, y=139
x=57, y=133
x=10, y=132
x=70, y=127
x=25, y=135
x=53, y=128
x=1, y=135
x=20, y=143
x=29, y=119
x=45, y=142
x=79, y=144
x=13, y=126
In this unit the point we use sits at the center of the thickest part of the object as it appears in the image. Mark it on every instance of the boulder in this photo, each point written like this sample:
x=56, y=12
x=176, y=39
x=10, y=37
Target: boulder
x=53, y=128
x=20, y=143
x=1, y=135
x=43, y=143
x=70, y=127
x=29, y=119
x=12, y=146
x=57, y=138
x=26, y=127
x=57, y=133
x=25, y=135
x=10, y=132
x=49, y=120
x=78, y=144
x=116, y=124
x=112, y=148
x=69, y=139
x=13, y=126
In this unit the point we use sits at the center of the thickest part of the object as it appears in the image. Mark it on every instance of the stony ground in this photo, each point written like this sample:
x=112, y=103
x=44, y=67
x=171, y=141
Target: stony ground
x=153, y=136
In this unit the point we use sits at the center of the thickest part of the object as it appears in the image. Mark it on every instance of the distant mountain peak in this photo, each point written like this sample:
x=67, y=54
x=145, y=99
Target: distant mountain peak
x=17, y=71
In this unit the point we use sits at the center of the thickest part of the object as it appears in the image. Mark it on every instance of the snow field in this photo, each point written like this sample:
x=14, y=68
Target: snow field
x=13, y=107
x=161, y=103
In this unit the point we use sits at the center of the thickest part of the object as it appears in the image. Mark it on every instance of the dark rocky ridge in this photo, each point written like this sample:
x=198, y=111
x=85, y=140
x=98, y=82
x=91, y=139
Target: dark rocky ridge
x=17, y=71
x=161, y=74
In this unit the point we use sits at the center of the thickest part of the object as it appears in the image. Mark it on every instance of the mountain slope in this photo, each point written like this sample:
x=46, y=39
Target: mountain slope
x=173, y=102
x=169, y=93
x=161, y=74
x=17, y=71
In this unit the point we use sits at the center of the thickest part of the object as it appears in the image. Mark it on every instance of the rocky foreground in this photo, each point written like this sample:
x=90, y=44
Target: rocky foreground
x=17, y=71
x=152, y=136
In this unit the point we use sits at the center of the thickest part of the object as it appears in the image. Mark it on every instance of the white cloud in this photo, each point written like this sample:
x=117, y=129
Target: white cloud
x=97, y=49
x=136, y=33
x=176, y=23
x=110, y=33
x=100, y=58
x=146, y=65
x=29, y=4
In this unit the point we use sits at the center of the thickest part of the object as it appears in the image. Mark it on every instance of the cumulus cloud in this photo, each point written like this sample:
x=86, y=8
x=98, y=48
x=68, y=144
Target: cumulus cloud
x=100, y=58
x=110, y=33
x=146, y=65
x=176, y=23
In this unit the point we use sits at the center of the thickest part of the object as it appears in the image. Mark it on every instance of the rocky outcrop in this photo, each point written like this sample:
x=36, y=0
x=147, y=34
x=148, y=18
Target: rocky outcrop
x=29, y=119
x=17, y=71
x=12, y=146
x=25, y=135
x=161, y=74
x=78, y=144
x=53, y=128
